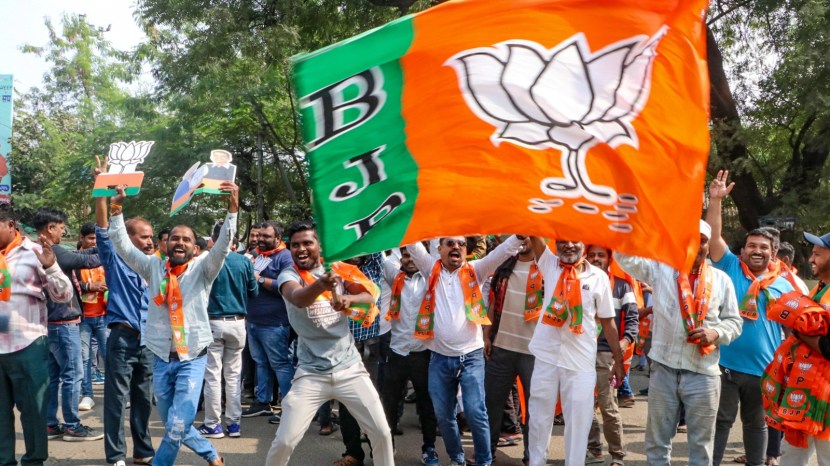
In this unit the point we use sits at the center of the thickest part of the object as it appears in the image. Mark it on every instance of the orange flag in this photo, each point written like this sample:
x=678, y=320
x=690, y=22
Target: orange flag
x=579, y=119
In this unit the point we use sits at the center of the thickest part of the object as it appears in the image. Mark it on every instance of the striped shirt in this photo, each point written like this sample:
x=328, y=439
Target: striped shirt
x=514, y=333
x=26, y=309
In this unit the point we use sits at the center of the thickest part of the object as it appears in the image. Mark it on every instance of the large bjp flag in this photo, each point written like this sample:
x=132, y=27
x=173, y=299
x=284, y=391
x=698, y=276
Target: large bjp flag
x=580, y=119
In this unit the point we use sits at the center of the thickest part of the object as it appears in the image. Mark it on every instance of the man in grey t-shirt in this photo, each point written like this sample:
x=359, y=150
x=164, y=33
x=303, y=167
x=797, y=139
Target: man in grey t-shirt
x=329, y=365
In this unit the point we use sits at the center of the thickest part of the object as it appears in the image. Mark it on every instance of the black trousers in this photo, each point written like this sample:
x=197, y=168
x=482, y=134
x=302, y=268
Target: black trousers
x=499, y=376
x=398, y=370
x=129, y=368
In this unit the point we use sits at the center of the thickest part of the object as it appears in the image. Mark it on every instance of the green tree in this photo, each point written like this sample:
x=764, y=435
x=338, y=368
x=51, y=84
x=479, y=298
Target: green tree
x=769, y=67
x=223, y=67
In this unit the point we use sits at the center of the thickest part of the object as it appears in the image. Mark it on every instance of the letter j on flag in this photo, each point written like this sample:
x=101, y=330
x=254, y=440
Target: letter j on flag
x=569, y=119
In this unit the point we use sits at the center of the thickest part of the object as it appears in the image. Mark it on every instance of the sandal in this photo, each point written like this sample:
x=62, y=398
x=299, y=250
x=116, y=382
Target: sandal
x=741, y=459
x=773, y=461
x=328, y=429
x=348, y=460
x=506, y=442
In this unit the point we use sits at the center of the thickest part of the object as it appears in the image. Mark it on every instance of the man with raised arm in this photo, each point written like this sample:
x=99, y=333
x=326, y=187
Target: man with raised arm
x=744, y=360
x=514, y=309
x=577, y=299
x=449, y=321
x=694, y=314
x=178, y=331
x=129, y=365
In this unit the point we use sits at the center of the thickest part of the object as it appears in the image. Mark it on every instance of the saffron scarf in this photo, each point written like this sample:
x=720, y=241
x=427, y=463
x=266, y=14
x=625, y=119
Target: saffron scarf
x=749, y=303
x=787, y=273
x=362, y=313
x=819, y=294
x=796, y=384
x=473, y=301
x=95, y=302
x=397, y=291
x=567, y=299
x=5, y=274
x=270, y=252
x=695, y=304
x=170, y=293
x=534, y=293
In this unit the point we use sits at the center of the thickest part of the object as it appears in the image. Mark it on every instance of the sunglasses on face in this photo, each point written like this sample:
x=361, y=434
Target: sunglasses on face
x=453, y=242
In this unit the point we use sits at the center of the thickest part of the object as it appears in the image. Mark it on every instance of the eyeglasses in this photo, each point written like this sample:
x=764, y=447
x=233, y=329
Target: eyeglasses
x=453, y=242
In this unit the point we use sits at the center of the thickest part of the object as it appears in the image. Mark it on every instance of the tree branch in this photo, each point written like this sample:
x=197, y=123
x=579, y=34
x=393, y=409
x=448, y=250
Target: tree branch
x=726, y=12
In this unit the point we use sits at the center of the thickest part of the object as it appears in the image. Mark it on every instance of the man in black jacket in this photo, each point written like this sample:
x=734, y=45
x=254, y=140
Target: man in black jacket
x=627, y=320
x=64, y=338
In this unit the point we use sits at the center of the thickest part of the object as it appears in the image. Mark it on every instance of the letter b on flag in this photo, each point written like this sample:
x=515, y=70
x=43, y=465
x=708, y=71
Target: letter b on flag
x=345, y=105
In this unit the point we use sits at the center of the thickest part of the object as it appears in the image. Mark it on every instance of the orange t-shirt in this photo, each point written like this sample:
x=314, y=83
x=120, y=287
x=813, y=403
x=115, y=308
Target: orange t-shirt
x=94, y=302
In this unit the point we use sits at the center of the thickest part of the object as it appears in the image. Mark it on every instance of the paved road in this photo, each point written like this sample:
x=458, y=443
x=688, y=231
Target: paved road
x=315, y=450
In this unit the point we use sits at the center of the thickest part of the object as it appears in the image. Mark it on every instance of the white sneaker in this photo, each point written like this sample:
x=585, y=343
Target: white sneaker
x=119, y=463
x=86, y=404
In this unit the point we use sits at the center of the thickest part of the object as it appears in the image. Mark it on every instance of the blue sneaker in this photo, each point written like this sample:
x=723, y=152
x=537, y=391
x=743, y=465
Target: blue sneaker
x=207, y=432
x=430, y=457
x=233, y=430
x=98, y=378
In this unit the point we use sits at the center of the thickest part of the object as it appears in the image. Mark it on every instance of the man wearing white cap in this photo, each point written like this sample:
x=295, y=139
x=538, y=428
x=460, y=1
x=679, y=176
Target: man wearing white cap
x=757, y=285
x=694, y=314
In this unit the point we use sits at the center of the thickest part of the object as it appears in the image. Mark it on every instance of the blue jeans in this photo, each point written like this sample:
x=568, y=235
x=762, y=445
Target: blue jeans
x=65, y=373
x=445, y=374
x=625, y=389
x=670, y=389
x=91, y=326
x=177, y=386
x=271, y=352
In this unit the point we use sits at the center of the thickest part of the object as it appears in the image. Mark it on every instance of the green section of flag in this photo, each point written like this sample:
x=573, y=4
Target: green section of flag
x=363, y=178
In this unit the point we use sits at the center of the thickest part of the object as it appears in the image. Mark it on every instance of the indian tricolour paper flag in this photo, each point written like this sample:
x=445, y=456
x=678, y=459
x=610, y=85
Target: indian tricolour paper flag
x=581, y=119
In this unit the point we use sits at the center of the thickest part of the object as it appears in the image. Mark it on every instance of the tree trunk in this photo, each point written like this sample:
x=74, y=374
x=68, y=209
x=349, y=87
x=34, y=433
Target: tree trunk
x=726, y=134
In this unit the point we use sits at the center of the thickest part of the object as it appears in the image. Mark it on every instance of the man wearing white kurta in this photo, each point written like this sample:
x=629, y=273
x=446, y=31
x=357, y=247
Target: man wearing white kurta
x=566, y=354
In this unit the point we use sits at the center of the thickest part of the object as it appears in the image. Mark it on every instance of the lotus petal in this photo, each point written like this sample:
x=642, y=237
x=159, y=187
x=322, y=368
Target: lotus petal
x=606, y=73
x=572, y=136
x=531, y=134
x=483, y=87
x=636, y=80
x=128, y=153
x=613, y=133
x=563, y=90
x=524, y=65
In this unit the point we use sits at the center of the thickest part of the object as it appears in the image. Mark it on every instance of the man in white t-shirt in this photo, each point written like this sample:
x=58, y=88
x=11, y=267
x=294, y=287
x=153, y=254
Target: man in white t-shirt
x=577, y=298
x=449, y=321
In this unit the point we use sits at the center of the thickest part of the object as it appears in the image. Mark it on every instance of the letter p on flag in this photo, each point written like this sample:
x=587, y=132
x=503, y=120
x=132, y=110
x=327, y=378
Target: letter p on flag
x=541, y=117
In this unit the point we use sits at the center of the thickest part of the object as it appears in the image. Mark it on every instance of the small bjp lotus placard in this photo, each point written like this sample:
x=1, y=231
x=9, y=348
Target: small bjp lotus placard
x=123, y=158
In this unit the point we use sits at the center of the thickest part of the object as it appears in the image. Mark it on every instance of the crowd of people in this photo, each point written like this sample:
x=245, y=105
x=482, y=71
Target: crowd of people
x=504, y=336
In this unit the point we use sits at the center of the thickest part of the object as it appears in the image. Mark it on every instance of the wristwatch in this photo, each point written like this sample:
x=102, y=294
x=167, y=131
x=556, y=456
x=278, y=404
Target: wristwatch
x=261, y=280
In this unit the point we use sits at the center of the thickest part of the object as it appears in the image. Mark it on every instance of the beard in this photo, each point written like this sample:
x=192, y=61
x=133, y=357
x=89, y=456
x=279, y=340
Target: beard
x=176, y=261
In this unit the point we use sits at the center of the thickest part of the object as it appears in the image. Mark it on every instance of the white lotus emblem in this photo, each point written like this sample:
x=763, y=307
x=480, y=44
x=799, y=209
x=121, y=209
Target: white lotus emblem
x=124, y=157
x=566, y=98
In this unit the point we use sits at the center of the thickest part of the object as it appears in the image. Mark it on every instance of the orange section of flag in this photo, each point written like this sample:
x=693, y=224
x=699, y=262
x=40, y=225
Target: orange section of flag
x=477, y=176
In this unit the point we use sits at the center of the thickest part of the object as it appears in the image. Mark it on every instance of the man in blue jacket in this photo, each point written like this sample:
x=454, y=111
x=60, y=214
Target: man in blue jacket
x=129, y=364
